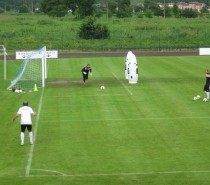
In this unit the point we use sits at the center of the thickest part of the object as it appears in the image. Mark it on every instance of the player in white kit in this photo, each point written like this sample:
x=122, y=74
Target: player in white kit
x=25, y=113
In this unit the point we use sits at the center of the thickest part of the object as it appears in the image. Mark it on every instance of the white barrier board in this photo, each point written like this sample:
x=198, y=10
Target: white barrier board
x=24, y=54
x=204, y=51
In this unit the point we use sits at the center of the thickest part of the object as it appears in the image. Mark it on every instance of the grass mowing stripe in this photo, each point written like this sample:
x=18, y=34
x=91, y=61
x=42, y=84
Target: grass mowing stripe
x=106, y=137
x=28, y=167
x=122, y=83
x=137, y=119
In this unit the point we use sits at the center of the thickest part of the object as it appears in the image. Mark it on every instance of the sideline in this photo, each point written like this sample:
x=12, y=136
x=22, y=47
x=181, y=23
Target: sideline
x=28, y=167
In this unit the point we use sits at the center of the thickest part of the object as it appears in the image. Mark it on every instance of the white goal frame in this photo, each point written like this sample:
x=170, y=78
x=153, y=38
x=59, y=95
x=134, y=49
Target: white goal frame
x=2, y=48
x=44, y=55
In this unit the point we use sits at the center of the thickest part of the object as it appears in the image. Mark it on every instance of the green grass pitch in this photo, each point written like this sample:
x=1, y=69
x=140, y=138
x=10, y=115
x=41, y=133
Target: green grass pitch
x=146, y=133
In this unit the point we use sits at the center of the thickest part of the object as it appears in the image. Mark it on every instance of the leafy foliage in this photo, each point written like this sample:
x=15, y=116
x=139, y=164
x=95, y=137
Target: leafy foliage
x=81, y=8
x=23, y=9
x=54, y=8
x=189, y=13
x=124, y=9
x=91, y=30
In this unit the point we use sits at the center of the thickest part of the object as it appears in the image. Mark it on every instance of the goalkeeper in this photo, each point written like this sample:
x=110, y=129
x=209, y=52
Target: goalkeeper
x=207, y=84
x=85, y=70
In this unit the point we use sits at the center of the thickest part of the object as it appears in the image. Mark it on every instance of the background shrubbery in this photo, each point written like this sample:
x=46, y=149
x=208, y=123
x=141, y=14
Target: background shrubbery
x=28, y=31
x=92, y=30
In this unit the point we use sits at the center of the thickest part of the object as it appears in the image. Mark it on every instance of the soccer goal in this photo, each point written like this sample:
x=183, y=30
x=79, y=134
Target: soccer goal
x=32, y=71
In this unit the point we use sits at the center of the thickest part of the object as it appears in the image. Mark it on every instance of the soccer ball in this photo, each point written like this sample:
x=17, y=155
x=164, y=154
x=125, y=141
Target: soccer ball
x=102, y=87
x=195, y=98
x=205, y=100
x=198, y=96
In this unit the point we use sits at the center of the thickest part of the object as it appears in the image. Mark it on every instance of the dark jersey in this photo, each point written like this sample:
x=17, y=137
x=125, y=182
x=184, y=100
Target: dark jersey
x=207, y=78
x=86, y=69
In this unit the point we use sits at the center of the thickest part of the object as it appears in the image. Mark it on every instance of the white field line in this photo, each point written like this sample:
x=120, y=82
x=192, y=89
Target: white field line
x=56, y=173
x=88, y=95
x=135, y=119
x=28, y=167
x=122, y=83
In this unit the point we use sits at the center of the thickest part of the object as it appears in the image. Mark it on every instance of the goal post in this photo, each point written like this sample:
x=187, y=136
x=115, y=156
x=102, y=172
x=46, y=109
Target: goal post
x=32, y=71
x=3, y=49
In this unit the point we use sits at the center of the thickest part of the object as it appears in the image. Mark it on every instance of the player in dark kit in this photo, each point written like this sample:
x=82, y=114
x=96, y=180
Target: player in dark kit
x=207, y=84
x=85, y=70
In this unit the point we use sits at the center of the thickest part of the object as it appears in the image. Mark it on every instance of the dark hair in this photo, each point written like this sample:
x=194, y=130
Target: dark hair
x=25, y=103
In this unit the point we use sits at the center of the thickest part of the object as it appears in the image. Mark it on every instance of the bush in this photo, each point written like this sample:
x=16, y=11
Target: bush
x=23, y=9
x=148, y=13
x=1, y=10
x=189, y=13
x=91, y=30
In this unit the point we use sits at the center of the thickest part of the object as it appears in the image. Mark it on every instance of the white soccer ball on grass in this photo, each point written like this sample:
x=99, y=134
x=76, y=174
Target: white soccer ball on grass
x=198, y=96
x=195, y=98
x=102, y=87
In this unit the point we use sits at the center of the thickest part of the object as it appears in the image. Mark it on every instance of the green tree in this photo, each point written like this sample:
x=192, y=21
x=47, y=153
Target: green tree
x=91, y=30
x=148, y=13
x=1, y=10
x=112, y=5
x=23, y=9
x=81, y=8
x=189, y=13
x=85, y=8
x=204, y=10
x=153, y=6
x=138, y=8
x=124, y=9
x=168, y=11
x=176, y=11
x=54, y=8
x=72, y=5
x=8, y=8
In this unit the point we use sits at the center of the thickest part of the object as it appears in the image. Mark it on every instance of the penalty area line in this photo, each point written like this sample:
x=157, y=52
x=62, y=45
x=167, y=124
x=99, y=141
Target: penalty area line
x=122, y=84
x=28, y=167
x=55, y=173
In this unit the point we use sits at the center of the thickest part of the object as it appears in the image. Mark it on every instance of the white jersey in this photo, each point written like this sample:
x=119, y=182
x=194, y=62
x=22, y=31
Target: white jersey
x=25, y=113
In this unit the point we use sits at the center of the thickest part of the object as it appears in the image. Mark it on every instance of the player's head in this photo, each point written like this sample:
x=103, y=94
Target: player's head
x=88, y=66
x=25, y=103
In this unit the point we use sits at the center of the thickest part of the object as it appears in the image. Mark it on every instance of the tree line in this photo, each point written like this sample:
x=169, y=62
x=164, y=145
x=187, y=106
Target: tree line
x=97, y=8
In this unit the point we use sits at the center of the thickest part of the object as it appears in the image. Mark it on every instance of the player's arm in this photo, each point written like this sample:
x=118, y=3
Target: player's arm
x=34, y=113
x=15, y=117
x=90, y=71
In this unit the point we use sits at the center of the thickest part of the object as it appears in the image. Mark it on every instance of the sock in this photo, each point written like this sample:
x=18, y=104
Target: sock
x=207, y=95
x=22, y=137
x=31, y=137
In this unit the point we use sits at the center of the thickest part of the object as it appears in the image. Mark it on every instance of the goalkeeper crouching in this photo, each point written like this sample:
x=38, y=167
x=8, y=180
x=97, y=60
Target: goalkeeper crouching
x=85, y=70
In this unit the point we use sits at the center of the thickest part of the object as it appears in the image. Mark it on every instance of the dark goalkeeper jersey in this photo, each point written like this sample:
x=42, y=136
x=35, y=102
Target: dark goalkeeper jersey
x=208, y=78
x=84, y=69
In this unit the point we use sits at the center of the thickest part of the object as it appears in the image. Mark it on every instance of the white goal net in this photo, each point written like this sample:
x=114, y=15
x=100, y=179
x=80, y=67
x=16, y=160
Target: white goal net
x=32, y=71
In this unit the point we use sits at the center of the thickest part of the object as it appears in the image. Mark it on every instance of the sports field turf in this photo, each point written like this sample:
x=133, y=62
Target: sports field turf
x=146, y=133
